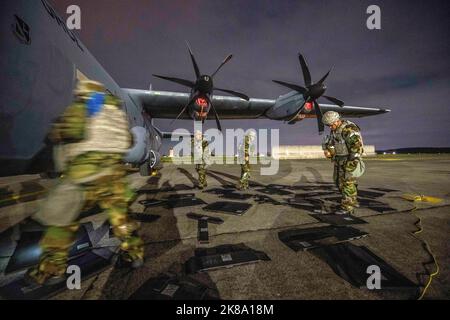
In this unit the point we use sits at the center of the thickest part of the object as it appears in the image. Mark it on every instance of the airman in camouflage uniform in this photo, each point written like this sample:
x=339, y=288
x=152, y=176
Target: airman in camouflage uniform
x=344, y=146
x=245, y=150
x=93, y=136
x=201, y=151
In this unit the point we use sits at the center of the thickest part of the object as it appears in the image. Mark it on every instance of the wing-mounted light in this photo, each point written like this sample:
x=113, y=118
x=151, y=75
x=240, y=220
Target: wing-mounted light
x=201, y=107
x=309, y=106
x=201, y=102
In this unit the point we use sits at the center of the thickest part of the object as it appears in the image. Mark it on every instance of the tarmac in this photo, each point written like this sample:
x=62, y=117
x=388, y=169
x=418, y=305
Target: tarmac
x=171, y=237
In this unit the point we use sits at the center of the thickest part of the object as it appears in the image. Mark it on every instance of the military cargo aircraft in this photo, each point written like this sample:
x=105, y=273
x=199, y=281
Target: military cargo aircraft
x=42, y=60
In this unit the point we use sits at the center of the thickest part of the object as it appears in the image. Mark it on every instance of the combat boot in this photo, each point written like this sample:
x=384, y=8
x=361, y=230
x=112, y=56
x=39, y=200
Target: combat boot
x=242, y=185
x=126, y=261
x=342, y=211
x=50, y=271
x=131, y=254
x=55, y=246
x=202, y=185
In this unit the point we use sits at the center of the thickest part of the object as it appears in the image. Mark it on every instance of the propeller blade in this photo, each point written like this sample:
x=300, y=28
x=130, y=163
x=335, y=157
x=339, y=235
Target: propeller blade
x=324, y=77
x=292, y=120
x=335, y=101
x=305, y=70
x=320, y=124
x=183, y=82
x=292, y=86
x=184, y=109
x=216, y=115
x=234, y=93
x=228, y=58
x=194, y=63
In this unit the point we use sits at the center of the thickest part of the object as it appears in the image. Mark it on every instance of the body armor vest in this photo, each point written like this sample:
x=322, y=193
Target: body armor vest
x=106, y=131
x=338, y=141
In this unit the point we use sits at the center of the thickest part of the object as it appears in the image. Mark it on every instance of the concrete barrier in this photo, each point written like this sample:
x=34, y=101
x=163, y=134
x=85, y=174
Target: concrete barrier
x=309, y=152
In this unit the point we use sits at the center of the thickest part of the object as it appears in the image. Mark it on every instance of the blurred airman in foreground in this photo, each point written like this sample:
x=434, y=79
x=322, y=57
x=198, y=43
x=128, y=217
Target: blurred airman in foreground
x=93, y=137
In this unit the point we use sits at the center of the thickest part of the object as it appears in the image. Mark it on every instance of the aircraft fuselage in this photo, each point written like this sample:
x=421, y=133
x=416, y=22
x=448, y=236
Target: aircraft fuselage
x=41, y=63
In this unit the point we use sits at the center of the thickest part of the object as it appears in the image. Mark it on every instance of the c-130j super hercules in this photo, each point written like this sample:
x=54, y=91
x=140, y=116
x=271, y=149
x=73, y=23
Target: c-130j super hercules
x=42, y=60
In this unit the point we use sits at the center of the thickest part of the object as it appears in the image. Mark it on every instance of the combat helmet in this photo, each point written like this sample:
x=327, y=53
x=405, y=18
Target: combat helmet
x=330, y=117
x=251, y=135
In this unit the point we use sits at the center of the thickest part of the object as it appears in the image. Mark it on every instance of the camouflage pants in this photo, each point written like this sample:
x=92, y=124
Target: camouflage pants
x=245, y=176
x=346, y=184
x=201, y=170
x=77, y=191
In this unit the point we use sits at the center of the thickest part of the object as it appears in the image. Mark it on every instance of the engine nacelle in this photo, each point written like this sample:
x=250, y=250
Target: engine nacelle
x=285, y=106
x=140, y=151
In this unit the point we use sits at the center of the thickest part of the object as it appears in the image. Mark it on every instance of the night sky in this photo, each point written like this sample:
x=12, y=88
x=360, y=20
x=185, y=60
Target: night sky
x=404, y=66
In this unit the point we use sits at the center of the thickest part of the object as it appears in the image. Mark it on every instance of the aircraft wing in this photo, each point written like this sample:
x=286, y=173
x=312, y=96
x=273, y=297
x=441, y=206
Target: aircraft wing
x=353, y=112
x=167, y=105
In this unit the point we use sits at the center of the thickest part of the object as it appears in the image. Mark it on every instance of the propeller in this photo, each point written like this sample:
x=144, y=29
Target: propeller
x=203, y=85
x=184, y=108
x=311, y=92
x=216, y=114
